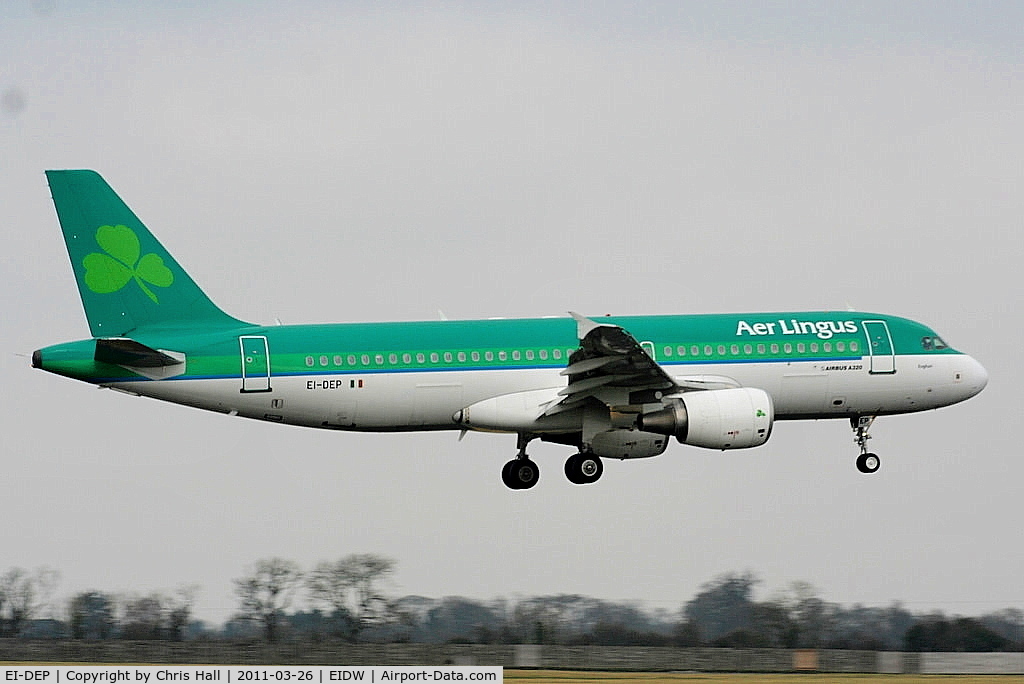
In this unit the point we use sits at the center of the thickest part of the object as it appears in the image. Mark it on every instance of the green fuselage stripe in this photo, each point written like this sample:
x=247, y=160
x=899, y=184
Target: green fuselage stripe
x=525, y=344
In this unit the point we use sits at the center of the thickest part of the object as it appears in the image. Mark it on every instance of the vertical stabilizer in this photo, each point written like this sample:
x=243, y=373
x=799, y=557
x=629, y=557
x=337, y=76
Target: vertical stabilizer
x=126, y=279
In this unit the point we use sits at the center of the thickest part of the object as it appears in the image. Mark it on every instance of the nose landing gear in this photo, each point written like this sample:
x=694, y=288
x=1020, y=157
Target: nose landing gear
x=867, y=462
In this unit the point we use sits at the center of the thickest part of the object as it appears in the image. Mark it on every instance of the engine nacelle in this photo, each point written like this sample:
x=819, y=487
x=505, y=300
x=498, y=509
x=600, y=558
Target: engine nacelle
x=715, y=419
x=628, y=444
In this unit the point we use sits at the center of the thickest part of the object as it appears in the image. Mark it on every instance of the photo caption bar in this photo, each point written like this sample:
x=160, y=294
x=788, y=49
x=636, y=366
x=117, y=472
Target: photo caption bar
x=239, y=674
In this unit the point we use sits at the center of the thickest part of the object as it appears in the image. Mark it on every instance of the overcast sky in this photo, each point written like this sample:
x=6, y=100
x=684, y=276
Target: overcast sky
x=324, y=162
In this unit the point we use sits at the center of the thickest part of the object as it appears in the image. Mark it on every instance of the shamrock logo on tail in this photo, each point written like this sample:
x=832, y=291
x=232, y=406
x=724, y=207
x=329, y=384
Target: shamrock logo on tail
x=105, y=273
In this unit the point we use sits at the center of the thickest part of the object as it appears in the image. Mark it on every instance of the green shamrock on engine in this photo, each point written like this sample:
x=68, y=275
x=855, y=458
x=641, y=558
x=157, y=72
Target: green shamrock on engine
x=105, y=273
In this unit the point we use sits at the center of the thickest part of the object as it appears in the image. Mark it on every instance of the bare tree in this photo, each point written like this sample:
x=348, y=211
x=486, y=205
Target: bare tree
x=142, y=617
x=157, y=615
x=92, y=615
x=22, y=595
x=267, y=591
x=813, y=617
x=179, y=609
x=350, y=587
x=723, y=605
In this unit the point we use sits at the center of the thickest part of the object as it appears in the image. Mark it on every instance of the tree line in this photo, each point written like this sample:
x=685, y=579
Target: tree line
x=346, y=600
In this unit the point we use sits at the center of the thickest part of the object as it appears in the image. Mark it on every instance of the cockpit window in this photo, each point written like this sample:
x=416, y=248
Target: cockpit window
x=933, y=342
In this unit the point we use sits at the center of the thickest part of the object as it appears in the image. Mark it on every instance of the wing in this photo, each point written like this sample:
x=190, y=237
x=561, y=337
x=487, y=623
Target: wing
x=612, y=367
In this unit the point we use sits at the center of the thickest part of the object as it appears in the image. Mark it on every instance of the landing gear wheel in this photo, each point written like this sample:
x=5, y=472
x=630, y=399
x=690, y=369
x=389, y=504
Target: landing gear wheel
x=506, y=474
x=868, y=462
x=520, y=473
x=583, y=468
x=572, y=467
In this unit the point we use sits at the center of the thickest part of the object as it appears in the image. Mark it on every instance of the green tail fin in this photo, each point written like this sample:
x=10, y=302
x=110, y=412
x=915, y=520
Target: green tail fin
x=126, y=278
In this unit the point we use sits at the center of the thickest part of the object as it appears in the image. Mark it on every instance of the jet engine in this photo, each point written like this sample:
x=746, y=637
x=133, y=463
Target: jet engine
x=715, y=419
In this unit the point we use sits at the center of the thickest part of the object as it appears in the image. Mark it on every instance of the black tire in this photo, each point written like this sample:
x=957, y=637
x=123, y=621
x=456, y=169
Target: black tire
x=868, y=463
x=525, y=473
x=583, y=468
x=520, y=473
x=572, y=469
x=591, y=468
x=506, y=474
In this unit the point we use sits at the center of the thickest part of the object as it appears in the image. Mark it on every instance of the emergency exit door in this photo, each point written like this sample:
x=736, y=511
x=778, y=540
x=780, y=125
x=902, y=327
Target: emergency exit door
x=255, y=363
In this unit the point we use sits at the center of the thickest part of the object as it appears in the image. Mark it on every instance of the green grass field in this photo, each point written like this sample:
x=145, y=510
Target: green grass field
x=560, y=677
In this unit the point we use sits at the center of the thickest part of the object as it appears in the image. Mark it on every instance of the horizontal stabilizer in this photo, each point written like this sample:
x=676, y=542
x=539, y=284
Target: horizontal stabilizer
x=122, y=351
x=155, y=364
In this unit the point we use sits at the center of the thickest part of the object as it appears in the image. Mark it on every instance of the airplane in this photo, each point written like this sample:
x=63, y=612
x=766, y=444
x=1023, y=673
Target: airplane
x=611, y=387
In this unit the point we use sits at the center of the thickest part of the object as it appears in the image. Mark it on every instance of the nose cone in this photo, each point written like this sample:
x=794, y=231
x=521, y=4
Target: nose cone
x=974, y=377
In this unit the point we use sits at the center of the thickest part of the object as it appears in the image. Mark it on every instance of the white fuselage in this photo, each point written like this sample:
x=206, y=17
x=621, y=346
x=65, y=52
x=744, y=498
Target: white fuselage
x=405, y=401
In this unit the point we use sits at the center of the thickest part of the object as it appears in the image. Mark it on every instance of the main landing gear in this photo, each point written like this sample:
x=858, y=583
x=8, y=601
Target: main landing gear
x=583, y=468
x=522, y=473
x=867, y=462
